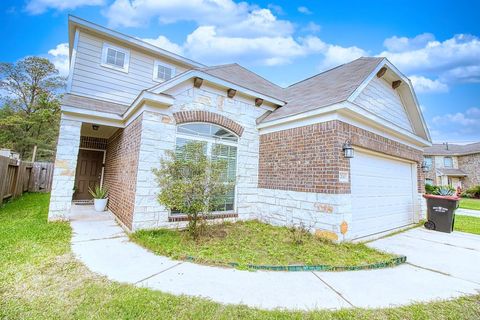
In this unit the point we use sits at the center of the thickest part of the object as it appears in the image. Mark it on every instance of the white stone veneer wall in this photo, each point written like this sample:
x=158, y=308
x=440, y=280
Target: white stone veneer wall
x=64, y=171
x=159, y=134
x=312, y=210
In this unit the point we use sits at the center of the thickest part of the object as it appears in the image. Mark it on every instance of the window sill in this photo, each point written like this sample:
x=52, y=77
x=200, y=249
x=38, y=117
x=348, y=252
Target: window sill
x=113, y=67
x=180, y=218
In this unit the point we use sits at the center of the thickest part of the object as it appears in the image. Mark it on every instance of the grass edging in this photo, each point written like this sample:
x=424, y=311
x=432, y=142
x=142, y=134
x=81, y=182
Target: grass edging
x=379, y=265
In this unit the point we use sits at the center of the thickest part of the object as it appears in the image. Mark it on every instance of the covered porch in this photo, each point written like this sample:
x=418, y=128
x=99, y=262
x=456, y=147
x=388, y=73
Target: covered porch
x=90, y=154
x=451, y=177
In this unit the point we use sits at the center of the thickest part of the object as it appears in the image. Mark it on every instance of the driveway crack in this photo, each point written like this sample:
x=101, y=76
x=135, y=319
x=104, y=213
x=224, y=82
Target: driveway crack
x=160, y=272
x=334, y=290
x=440, y=272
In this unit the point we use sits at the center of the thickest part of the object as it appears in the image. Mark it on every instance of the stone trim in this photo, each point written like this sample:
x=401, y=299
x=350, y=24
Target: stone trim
x=181, y=218
x=207, y=116
x=93, y=143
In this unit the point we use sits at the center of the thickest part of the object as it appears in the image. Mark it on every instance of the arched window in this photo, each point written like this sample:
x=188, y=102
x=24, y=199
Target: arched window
x=220, y=143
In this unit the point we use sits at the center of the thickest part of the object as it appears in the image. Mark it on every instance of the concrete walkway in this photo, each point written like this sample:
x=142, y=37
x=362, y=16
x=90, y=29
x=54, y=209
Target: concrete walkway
x=440, y=266
x=468, y=212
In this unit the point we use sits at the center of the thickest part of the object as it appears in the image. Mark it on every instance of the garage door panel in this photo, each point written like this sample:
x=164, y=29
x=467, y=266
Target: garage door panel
x=382, y=194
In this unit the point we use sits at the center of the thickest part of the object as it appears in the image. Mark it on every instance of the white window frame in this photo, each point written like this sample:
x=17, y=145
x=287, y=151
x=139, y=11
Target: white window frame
x=163, y=64
x=209, y=142
x=126, y=52
x=444, y=165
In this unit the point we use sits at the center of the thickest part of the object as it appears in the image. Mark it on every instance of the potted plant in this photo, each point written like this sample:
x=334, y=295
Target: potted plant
x=441, y=206
x=100, y=197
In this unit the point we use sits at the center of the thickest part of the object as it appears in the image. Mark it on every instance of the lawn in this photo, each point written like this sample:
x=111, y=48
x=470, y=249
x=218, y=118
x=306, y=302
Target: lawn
x=467, y=203
x=40, y=279
x=256, y=243
x=467, y=224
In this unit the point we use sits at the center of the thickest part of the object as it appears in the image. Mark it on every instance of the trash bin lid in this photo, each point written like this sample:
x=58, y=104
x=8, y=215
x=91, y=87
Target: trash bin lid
x=434, y=196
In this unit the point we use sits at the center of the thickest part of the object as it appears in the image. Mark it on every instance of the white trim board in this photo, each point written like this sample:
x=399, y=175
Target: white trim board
x=73, y=58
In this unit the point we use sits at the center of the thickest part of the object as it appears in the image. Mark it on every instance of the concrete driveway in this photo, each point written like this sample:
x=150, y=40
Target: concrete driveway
x=455, y=254
x=439, y=266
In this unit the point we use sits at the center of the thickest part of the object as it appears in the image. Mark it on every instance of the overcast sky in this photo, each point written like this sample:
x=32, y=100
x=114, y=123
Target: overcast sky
x=436, y=44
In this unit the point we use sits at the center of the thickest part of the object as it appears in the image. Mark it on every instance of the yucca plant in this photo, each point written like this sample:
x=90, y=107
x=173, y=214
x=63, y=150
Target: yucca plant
x=98, y=192
x=445, y=191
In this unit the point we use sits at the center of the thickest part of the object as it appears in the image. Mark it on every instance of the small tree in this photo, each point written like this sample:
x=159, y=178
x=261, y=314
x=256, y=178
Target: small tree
x=192, y=183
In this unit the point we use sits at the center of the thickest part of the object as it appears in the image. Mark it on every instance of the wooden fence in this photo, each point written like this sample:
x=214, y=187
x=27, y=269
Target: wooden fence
x=17, y=177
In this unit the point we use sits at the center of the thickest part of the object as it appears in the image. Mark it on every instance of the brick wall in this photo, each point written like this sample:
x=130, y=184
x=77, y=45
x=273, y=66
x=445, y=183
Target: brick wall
x=121, y=165
x=471, y=165
x=309, y=158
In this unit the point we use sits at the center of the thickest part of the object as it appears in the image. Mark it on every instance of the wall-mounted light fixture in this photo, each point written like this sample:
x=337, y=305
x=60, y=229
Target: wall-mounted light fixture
x=425, y=166
x=95, y=127
x=348, y=151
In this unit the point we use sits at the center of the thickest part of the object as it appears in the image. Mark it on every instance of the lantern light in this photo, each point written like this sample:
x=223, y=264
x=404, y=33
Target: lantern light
x=348, y=151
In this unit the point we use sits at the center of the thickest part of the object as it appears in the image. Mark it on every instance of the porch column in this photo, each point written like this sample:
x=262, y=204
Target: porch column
x=64, y=171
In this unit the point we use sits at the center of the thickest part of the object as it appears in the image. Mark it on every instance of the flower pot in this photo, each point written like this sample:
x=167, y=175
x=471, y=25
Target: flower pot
x=100, y=204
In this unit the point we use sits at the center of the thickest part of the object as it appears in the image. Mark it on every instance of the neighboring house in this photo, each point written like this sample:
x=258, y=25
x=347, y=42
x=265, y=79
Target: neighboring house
x=453, y=164
x=128, y=102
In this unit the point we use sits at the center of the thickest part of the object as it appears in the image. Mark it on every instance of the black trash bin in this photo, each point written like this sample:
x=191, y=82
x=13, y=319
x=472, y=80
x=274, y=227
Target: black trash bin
x=441, y=212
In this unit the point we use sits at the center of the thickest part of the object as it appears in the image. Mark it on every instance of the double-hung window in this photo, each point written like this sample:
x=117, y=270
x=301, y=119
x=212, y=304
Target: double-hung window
x=448, y=162
x=219, y=143
x=115, y=57
x=162, y=71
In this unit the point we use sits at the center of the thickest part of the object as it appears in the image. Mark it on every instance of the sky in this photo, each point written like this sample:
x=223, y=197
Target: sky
x=436, y=44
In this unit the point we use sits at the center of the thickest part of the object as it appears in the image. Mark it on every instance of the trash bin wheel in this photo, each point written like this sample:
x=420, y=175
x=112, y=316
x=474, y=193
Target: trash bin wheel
x=429, y=225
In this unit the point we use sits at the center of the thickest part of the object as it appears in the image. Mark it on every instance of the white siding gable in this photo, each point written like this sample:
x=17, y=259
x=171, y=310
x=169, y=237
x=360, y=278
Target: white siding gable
x=379, y=98
x=93, y=80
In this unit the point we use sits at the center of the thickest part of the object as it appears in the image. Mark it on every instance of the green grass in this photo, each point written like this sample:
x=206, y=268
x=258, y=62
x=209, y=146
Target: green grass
x=40, y=279
x=467, y=203
x=467, y=224
x=253, y=242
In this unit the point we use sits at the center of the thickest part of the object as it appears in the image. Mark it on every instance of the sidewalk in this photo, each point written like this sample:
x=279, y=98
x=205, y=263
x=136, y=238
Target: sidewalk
x=105, y=249
x=468, y=212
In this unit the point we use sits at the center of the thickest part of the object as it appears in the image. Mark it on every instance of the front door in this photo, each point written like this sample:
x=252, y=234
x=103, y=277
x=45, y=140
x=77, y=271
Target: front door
x=88, y=174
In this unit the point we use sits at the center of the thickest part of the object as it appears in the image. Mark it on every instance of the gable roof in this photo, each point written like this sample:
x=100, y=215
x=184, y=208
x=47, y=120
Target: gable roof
x=327, y=88
x=440, y=149
x=243, y=77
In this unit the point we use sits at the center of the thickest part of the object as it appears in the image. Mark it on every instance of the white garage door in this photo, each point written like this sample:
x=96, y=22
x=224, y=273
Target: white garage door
x=382, y=194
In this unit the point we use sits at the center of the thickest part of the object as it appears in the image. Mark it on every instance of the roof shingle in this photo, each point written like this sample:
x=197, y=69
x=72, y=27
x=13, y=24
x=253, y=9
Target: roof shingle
x=440, y=149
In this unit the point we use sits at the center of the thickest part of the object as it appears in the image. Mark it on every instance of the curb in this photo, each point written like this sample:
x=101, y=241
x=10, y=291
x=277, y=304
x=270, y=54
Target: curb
x=379, y=265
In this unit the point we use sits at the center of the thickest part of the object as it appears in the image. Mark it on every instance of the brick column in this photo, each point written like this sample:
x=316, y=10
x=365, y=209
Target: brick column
x=64, y=171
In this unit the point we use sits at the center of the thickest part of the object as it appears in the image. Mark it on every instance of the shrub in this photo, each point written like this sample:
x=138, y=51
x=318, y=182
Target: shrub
x=192, y=183
x=445, y=191
x=430, y=189
x=472, y=192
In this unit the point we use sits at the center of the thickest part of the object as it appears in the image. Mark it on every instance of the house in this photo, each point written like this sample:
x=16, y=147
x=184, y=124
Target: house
x=453, y=164
x=289, y=149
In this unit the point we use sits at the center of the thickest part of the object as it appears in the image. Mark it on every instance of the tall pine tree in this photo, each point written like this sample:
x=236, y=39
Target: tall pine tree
x=30, y=112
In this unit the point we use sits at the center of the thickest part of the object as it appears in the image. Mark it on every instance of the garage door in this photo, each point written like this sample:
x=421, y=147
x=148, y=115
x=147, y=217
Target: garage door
x=382, y=194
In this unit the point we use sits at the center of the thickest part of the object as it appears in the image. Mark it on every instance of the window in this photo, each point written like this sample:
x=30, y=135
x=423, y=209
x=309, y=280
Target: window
x=219, y=144
x=448, y=162
x=428, y=162
x=163, y=71
x=115, y=57
x=429, y=181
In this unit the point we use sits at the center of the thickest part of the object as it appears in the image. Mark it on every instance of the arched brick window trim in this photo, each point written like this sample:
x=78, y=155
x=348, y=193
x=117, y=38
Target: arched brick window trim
x=206, y=116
